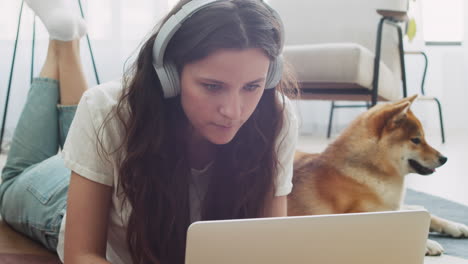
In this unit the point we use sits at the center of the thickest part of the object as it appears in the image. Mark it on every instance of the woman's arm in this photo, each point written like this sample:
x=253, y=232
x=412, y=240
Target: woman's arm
x=277, y=206
x=87, y=220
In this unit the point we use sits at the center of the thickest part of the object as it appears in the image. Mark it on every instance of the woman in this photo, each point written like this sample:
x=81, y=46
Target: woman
x=192, y=132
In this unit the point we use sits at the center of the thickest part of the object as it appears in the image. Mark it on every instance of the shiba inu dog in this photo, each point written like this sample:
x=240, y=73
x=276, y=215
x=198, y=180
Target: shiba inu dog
x=363, y=170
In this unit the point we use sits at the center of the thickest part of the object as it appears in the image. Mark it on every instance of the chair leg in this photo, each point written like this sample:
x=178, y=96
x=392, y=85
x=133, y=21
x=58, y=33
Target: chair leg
x=330, y=121
x=33, y=46
x=402, y=61
x=442, y=133
x=11, y=77
x=89, y=46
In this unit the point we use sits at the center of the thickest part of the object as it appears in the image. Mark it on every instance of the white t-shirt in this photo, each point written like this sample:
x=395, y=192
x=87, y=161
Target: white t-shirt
x=80, y=155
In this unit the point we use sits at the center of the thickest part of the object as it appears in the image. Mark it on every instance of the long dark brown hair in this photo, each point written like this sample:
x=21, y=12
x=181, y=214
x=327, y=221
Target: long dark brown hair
x=154, y=169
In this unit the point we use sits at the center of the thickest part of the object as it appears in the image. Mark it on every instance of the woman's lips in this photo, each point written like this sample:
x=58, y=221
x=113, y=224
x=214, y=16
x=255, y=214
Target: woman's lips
x=224, y=127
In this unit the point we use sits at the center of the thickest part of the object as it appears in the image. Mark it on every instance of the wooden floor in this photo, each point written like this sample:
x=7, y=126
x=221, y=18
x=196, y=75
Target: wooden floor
x=15, y=243
x=18, y=249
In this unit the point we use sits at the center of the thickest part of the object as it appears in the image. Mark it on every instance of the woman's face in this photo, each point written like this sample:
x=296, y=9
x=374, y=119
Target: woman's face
x=221, y=91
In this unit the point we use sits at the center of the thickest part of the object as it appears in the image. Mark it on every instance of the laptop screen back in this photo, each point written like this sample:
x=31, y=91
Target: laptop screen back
x=364, y=238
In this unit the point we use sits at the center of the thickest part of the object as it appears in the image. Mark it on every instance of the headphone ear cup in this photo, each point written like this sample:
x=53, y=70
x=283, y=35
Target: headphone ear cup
x=275, y=73
x=170, y=80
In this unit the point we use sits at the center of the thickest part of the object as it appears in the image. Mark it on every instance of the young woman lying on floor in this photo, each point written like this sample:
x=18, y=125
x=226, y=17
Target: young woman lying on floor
x=198, y=129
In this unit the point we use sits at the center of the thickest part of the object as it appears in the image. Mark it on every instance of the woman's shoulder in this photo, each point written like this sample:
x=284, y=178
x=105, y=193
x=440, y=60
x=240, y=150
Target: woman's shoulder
x=289, y=108
x=104, y=96
x=100, y=103
x=289, y=130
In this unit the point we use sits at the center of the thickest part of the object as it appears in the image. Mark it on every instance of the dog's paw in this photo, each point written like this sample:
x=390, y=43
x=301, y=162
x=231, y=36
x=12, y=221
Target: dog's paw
x=433, y=248
x=455, y=229
x=448, y=227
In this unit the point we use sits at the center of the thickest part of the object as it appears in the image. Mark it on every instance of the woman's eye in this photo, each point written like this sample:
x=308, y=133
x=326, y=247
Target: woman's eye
x=251, y=87
x=416, y=140
x=212, y=87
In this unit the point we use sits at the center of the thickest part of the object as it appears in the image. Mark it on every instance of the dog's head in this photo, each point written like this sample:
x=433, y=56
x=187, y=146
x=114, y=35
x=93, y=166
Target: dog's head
x=400, y=134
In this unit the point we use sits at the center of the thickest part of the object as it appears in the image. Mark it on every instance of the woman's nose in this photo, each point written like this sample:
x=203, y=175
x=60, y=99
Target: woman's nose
x=231, y=107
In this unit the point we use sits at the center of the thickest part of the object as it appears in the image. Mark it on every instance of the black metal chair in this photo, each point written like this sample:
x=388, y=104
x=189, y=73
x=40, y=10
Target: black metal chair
x=32, y=64
x=392, y=18
x=423, y=93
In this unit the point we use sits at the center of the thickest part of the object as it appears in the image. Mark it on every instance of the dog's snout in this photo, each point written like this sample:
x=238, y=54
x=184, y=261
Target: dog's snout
x=442, y=160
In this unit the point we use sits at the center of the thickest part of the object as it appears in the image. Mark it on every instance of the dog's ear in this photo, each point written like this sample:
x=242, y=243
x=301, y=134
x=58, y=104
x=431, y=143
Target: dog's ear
x=410, y=99
x=390, y=116
x=400, y=113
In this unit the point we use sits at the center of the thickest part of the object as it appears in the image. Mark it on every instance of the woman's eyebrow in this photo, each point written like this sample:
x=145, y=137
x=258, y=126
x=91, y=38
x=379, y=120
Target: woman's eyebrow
x=257, y=80
x=221, y=82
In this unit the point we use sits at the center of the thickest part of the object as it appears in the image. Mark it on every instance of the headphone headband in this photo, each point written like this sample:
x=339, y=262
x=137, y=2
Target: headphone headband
x=171, y=26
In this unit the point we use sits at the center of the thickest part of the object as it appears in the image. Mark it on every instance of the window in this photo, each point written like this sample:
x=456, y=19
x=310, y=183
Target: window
x=443, y=22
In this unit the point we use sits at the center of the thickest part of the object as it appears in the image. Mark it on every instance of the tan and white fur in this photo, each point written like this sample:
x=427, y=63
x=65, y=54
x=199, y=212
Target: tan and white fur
x=364, y=169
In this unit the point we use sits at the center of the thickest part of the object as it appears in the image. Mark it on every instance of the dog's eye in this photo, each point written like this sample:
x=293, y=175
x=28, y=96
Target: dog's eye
x=416, y=140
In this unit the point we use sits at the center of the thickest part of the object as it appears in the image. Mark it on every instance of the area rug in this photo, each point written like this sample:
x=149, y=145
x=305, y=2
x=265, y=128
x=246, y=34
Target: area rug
x=445, y=209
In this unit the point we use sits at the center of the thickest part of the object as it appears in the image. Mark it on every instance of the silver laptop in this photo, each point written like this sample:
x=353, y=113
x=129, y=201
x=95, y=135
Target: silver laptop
x=364, y=238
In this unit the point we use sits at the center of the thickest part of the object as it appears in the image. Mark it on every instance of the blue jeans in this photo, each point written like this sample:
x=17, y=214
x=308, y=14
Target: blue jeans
x=33, y=192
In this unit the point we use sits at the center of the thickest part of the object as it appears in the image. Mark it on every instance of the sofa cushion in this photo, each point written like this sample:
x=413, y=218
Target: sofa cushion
x=341, y=63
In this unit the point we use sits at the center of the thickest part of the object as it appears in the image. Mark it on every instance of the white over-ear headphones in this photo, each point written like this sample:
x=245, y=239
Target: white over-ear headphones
x=167, y=71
